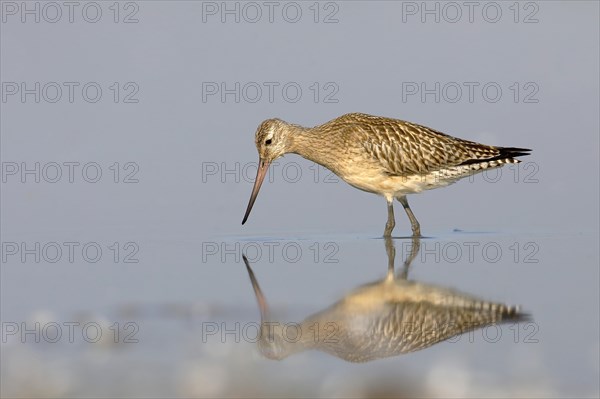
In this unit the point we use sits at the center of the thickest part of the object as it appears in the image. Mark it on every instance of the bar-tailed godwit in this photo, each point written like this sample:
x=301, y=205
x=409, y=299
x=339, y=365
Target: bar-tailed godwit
x=385, y=156
x=385, y=318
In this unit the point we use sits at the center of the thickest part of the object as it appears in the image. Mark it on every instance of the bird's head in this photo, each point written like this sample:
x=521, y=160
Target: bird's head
x=272, y=141
x=272, y=344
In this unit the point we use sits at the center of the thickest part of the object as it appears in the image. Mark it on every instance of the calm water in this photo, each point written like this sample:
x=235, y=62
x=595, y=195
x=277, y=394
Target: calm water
x=122, y=271
x=189, y=328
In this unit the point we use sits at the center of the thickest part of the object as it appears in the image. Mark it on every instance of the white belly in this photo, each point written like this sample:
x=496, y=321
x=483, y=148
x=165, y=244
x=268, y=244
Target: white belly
x=396, y=186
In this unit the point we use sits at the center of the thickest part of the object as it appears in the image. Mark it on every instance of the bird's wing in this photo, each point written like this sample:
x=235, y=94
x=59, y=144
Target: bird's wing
x=398, y=328
x=404, y=148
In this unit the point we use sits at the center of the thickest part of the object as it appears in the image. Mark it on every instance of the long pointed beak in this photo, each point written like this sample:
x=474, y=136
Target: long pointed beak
x=263, y=166
x=260, y=298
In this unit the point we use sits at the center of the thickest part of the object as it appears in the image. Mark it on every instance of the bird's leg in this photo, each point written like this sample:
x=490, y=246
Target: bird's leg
x=390, y=249
x=391, y=253
x=416, y=228
x=414, y=250
x=391, y=221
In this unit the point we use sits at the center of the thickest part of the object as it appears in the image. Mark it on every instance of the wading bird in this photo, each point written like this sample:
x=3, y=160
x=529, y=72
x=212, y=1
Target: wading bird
x=385, y=318
x=385, y=156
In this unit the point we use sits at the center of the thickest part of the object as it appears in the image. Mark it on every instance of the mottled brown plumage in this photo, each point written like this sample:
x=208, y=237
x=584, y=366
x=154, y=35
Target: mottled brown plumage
x=386, y=318
x=389, y=157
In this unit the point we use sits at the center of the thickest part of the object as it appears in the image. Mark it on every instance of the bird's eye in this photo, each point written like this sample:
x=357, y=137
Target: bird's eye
x=268, y=142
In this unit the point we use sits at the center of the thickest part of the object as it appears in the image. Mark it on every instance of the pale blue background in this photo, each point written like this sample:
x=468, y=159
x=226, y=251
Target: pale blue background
x=171, y=213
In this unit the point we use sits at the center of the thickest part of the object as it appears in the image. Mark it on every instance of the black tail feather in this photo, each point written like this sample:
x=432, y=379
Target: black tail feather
x=512, y=152
x=505, y=153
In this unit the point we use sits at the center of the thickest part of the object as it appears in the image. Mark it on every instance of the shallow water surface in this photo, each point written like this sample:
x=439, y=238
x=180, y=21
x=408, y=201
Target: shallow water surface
x=122, y=253
x=202, y=338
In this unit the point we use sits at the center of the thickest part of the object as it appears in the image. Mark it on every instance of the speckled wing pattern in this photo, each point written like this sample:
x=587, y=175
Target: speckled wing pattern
x=409, y=327
x=403, y=148
x=426, y=324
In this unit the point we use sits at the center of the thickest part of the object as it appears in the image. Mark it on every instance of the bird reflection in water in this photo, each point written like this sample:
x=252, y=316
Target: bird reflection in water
x=385, y=318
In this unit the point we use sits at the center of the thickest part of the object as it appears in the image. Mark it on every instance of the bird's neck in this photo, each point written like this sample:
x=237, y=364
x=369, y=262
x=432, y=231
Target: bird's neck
x=312, y=144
